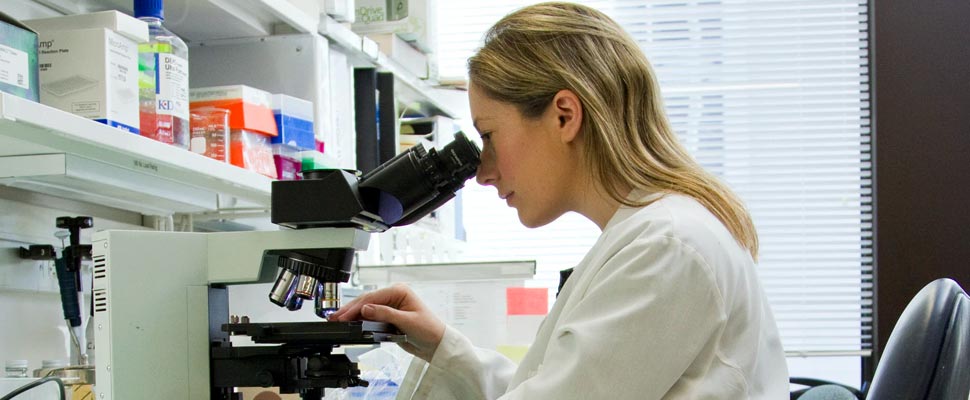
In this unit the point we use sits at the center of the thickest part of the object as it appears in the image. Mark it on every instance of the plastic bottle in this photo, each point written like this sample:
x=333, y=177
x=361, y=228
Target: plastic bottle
x=163, y=80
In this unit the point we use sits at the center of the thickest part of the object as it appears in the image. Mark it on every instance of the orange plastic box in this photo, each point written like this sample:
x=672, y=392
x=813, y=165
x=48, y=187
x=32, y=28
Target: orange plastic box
x=251, y=123
x=249, y=108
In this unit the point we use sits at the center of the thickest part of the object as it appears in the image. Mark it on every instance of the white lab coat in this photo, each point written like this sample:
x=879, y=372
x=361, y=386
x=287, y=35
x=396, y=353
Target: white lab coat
x=666, y=305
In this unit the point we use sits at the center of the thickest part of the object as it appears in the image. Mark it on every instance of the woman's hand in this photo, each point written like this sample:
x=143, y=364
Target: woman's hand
x=400, y=306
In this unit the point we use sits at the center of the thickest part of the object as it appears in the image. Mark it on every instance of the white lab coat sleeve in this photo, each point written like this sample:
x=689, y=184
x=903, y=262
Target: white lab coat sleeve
x=647, y=314
x=459, y=370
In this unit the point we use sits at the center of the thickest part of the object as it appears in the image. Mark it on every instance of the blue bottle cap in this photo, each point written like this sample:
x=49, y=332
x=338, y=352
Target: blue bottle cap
x=149, y=8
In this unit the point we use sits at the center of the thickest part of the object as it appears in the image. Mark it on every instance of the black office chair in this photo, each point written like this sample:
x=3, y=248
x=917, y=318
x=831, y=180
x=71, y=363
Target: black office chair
x=830, y=392
x=928, y=352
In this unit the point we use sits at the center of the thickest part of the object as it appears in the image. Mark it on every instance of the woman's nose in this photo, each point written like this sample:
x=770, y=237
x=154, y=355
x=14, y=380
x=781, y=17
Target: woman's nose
x=486, y=170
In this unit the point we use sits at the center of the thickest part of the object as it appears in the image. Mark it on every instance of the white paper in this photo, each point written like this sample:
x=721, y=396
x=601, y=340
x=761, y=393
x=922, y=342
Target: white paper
x=173, y=86
x=14, y=67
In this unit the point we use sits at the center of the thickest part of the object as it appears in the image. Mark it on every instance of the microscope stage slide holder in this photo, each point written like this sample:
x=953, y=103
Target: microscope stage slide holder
x=318, y=333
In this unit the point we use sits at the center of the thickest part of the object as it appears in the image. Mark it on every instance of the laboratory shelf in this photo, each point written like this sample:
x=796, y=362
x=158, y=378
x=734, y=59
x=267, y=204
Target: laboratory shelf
x=418, y=94
x=412, y=91
x=51, y=151
x=198, y=20
x=383, y=275
x=205, y=20
x=202, y=20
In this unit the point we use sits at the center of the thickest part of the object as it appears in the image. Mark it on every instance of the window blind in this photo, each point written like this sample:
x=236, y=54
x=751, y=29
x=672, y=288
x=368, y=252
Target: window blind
x=770, y=95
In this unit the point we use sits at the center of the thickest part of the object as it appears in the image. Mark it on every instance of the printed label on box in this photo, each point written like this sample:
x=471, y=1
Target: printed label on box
x=92, y=73
x=121, y=61
x=14, y=67
x=86, y=107
x=172, y=86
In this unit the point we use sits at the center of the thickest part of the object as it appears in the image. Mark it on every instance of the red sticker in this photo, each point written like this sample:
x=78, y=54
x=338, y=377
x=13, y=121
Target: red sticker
x=527, y=301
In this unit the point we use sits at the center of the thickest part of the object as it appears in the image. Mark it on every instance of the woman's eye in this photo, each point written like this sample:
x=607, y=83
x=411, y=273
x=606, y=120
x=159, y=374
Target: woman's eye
x=486, y=136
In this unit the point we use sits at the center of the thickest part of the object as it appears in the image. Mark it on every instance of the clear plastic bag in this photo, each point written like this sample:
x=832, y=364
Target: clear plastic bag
x=251, y=150
x=383, y=368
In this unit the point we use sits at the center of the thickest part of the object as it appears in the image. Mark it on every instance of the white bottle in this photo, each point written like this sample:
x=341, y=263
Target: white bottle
x=163, y=82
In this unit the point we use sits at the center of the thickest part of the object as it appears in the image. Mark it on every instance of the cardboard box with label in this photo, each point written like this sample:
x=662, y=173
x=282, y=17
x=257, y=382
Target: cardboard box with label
x=89, y=65
x=412, y=20
x=18, y=59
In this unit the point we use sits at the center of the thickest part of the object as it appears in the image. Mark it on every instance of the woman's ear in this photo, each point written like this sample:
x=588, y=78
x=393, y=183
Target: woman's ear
x=568, y=111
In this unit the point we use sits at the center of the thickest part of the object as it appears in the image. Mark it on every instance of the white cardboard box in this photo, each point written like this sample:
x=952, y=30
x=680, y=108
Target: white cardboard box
x=416, y=25
x=123, y=24
x=89, y=65
x=92, y=73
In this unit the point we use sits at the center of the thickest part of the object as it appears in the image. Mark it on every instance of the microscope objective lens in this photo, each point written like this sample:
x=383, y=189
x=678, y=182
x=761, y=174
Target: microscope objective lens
x=305, y=286
x=294, y=303
x=327, y=300
x=282, y=287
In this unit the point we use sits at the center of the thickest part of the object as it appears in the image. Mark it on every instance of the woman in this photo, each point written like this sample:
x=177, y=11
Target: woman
x=666, y=305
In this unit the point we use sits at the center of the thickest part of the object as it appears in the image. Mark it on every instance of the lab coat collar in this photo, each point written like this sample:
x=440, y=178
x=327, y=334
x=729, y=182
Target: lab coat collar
x=624, y=212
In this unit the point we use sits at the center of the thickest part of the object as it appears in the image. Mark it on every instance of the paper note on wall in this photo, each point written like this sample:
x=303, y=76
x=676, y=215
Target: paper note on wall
x=525, y=310
x=474, y=308
x=526, y=301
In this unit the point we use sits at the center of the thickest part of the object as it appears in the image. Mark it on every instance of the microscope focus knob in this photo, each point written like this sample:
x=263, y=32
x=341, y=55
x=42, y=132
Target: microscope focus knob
x=316, y=366
x=265, y=379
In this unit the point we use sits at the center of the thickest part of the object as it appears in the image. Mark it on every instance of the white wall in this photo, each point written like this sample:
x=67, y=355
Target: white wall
x=31, y=321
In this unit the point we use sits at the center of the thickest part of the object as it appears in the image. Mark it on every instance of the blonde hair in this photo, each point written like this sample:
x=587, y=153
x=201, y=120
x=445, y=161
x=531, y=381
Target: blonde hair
x=533, y=53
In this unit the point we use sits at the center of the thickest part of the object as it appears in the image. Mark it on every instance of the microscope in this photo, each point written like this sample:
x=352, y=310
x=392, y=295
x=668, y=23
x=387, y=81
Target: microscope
x=161, y=299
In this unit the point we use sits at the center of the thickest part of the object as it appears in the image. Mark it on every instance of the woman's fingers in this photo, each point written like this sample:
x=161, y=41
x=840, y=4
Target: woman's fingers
x=395, y=296
x=379, y=313
x=399, y=306
x=335, y=316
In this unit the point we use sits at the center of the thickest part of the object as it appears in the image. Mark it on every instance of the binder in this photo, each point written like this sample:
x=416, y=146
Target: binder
x=365, y=119
x=388, y=126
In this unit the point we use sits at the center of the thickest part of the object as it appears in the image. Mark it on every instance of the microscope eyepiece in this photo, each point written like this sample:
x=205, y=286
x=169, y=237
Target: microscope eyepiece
x=458, y=162
x=417, y=181
x=398, y=192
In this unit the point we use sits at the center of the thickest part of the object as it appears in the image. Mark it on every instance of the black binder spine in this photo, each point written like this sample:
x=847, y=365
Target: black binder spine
x=365, y=119
x=387, y=116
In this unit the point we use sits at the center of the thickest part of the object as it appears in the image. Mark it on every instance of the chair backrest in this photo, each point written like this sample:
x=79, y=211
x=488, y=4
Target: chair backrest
x=928, y=353
x=828, y=392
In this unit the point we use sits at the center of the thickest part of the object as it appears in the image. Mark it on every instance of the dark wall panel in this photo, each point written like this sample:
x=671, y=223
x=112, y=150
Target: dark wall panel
x=921, y=93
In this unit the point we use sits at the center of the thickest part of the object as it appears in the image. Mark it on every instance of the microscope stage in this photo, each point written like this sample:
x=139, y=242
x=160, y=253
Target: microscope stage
x=318, y=333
